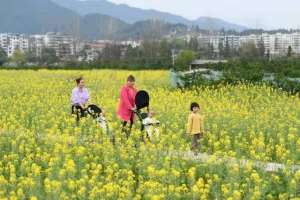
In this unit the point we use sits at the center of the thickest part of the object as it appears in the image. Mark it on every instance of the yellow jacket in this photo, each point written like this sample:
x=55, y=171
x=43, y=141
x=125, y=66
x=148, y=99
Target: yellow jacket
x=195, y=124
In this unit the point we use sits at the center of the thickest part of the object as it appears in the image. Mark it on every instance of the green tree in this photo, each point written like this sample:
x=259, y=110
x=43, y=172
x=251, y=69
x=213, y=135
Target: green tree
x=18, y=57
x=48, y=56
x=227, y=50
x=30, y=56
x=179, y=43
x=290, y=52
x=221, y=49
x=244, y=70
x=249, y=51
x=210, y=51
x=184, y=59
x=268, y=56
x=193, y=44
x=261, y=48
x=3, y=56
x=112, y=52
x=165, y=49
x=133, y=52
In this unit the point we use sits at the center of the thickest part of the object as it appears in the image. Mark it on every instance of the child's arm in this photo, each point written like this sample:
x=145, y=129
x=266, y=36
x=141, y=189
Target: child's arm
x=190, y=124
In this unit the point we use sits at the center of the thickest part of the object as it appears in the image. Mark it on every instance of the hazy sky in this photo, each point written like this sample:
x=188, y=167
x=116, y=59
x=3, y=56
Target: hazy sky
x=254, y=13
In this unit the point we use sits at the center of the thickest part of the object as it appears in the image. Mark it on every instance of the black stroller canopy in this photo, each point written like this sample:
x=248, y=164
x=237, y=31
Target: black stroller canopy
x=142, y=99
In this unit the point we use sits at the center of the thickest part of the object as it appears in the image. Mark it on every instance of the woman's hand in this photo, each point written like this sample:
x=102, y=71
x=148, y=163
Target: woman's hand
x=133, y=109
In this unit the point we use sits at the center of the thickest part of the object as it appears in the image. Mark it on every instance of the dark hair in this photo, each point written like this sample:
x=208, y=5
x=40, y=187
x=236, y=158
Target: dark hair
x=131, y=78
x=78, y=80
x=193, y=105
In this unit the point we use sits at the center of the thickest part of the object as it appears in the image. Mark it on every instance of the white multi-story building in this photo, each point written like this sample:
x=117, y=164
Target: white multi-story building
x=63, y=44
x=278, y=44
x=250, y=39
x=275, y=44
x=296, y=43
x=211, y=41
x=233, y=41
x=11, y=42
x=4, y=42
x=132, y=43
x=37, y=43
x=217, y=41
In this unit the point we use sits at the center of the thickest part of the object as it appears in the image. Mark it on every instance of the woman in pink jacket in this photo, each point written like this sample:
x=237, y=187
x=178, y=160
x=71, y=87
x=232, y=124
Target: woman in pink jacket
x=127, y=103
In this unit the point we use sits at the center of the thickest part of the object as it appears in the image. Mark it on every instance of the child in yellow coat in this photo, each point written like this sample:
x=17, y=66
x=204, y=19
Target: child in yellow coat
x=195, y=126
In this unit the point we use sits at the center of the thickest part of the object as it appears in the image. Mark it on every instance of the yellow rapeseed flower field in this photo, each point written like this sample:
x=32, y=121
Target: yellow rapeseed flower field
x=45, y=154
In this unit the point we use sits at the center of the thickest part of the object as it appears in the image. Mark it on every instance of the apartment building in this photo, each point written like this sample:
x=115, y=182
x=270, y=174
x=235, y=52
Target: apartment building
x=11, y=42
x=63, y=44
x=275, y=44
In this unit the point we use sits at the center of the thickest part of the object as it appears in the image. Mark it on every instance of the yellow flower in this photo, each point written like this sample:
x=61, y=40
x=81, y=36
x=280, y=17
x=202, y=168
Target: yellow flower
x=255, y=177
x=192, y=172
x=297, y=175
x=176, y=173
x=70, y=166
x=20, y=193
x=71, y=184
x=224, y=189
x=236, y=195
x=82, y=191
x=42, y=145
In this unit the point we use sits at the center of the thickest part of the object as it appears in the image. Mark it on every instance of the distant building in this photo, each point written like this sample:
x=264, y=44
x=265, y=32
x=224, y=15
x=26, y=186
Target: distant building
x=99, y=45
x=217, y=41
x=90, y=51
x=275, y=44
x=296, y=42
x=91, y=55
x=11, y=42
x=36, y=44
x=132, y=43
x=63, y=44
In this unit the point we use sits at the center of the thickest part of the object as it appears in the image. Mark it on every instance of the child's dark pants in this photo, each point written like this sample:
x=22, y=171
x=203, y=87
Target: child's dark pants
x=195, y=142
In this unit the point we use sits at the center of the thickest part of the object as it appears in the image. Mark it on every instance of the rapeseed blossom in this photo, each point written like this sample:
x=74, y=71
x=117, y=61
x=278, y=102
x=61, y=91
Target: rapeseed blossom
x=45, y=154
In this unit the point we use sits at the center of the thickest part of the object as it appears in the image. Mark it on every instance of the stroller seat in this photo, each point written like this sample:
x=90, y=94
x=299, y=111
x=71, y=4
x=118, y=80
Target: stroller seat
x=141, y=115
x=97, y=114
x=78, y=111
x=94, y=111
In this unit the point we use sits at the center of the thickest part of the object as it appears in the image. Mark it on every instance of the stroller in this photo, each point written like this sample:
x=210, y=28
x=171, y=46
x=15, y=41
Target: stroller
x=94, y=111
x=142, y=100
x=97, y=114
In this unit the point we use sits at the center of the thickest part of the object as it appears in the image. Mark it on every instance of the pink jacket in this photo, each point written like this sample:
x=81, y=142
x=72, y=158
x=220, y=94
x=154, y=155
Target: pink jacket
x=127, y=102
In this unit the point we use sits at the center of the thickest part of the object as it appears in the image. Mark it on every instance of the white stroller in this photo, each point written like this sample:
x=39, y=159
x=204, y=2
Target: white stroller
x=152, y=128
x=98, y=115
